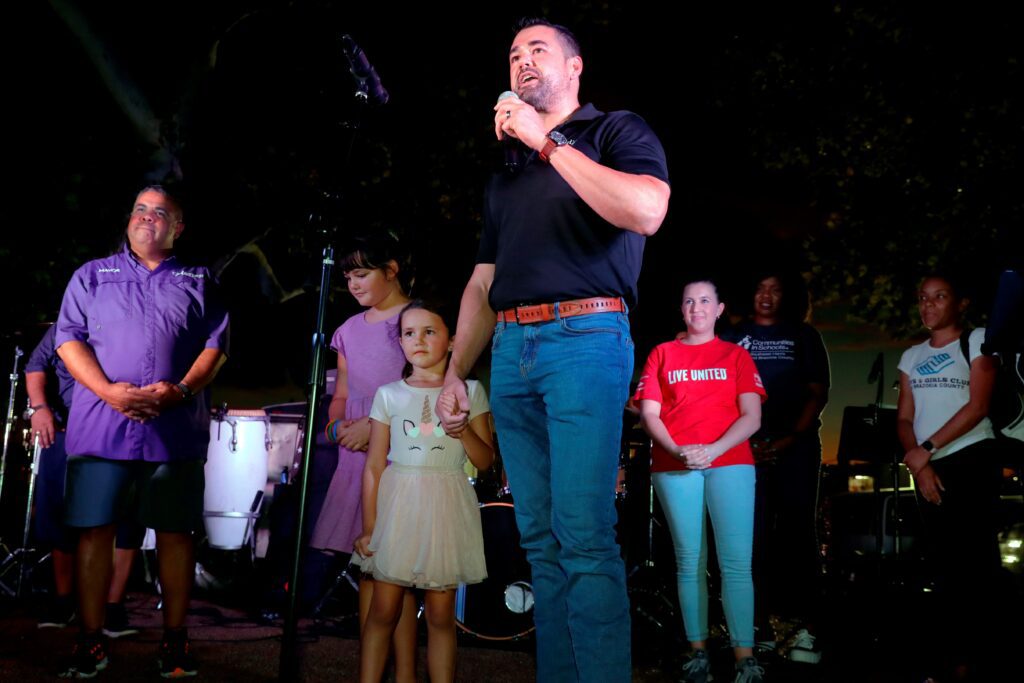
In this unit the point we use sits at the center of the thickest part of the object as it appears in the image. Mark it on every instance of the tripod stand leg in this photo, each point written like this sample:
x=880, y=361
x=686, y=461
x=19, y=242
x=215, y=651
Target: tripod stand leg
x=37, y=449
x=342, y=577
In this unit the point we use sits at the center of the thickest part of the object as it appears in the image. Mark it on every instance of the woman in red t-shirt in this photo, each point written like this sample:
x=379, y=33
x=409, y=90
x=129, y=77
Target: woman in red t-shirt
x=700, y=400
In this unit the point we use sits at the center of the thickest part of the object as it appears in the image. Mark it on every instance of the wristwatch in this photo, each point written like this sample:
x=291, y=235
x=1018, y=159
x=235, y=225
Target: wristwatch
x=929, y=446
x=186, y=393
x=32, y=410
x=555, y=139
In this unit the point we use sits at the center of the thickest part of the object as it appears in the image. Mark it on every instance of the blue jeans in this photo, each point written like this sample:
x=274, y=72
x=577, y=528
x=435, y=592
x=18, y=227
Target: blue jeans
x=557, y=392
x=728, y=494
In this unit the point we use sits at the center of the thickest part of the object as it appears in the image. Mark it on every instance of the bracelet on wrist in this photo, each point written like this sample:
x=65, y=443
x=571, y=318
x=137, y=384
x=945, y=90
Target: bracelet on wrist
x=186, y=392
x=331, y=431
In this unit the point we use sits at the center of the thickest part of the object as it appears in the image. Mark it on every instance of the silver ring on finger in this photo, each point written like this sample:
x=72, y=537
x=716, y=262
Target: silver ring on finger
x=508, y=114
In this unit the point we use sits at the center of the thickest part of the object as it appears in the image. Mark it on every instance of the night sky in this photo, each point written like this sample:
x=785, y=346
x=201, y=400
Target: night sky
x=768, y=118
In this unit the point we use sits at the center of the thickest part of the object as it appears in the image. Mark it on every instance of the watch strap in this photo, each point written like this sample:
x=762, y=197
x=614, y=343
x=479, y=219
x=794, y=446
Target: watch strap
x=547, y=149
x=555, y=139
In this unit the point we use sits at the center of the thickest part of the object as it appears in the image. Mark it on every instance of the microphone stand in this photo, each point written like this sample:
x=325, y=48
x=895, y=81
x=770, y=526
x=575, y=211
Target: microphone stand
x=897, y=517
x=24, y=555
x=288, y=665
x=9, y=557
x=9, y=423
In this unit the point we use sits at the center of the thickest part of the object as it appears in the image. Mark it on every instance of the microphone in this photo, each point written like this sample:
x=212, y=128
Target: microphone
x=513, y=148
x=370, y=88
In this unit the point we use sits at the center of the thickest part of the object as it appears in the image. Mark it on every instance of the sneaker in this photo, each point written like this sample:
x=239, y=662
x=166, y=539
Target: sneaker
x=801, y=648
x=764, y=639
x=749, y=671
x=59, y=614
x=175, y=659
x=87, y=659
x=697, y=668
x=116, y=623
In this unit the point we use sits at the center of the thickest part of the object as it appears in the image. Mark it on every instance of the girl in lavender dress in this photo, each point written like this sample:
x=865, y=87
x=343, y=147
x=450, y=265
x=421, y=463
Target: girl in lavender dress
x=369, y=356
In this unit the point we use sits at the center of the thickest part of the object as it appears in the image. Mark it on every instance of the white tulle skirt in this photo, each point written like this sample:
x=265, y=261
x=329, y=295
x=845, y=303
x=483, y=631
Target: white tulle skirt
x=427, y=533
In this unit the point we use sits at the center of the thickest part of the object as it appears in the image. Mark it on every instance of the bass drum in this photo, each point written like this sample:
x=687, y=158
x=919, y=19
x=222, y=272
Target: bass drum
x=500, y=608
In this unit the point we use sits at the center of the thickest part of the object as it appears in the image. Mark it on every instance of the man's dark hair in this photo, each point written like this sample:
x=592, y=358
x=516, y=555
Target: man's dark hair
x=169, y=194
x=570, y=45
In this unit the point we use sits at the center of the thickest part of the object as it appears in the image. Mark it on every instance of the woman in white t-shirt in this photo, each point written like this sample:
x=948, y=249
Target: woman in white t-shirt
x=951, y=451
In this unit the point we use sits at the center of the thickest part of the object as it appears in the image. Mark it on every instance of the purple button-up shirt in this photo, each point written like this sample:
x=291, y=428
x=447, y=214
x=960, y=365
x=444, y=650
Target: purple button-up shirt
x=44, y=359
x=144, y=326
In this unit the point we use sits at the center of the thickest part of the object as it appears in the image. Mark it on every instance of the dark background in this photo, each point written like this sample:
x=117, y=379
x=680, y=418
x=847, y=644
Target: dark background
x=862, y=146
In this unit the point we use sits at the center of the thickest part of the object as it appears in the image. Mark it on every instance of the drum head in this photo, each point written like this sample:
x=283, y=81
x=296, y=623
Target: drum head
x=500, y=608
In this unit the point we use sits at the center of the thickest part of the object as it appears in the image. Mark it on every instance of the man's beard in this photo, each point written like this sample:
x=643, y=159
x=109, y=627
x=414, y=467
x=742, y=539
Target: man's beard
x=542, y=96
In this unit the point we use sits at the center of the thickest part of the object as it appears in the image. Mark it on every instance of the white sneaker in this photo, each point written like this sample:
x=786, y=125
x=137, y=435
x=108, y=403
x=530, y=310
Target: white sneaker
x=801, y=648
x=764, y=640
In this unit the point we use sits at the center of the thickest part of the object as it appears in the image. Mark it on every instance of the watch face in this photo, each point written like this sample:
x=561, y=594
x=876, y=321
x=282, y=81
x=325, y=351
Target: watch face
x=558, y=138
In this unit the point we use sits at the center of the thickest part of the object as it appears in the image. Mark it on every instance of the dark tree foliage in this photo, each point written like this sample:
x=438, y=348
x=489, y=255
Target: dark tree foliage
x=904, y=126
x=861, y=146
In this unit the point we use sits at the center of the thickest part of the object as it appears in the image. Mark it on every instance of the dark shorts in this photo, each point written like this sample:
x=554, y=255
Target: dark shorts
x=48, y=518
x=51, y=531
x=162, y=496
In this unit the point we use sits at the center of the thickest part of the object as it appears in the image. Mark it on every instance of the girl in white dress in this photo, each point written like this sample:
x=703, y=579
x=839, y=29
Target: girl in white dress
x=421, y=518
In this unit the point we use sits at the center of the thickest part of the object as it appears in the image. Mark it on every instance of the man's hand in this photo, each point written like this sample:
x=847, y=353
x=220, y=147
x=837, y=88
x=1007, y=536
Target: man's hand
x=159, y=396
x=43, y=426
x=125, y=399
x=519, y=120
x=452, y=407
x=355, y=434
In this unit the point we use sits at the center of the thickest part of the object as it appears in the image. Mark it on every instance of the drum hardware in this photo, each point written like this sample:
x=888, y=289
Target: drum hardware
x=249, y=517
x=869, y=434
x=286, y=431
x=342, y=578
x=9, y=422
x=501, y=606
x=652, y=598
x=24, y=557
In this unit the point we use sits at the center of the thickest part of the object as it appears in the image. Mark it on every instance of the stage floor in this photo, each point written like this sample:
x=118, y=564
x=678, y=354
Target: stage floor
x=233, y=646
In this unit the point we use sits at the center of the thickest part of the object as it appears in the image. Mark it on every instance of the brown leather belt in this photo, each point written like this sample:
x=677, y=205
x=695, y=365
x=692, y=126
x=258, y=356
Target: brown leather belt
x=538, y=313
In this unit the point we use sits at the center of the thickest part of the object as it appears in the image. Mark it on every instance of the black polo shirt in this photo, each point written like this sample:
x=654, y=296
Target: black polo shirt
x=545, y=242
